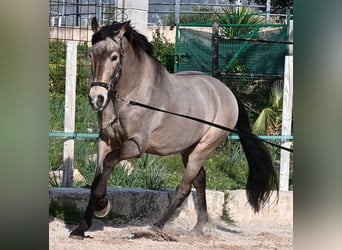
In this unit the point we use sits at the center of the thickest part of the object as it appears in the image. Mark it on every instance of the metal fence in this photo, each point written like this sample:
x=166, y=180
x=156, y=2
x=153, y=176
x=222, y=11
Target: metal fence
x=80, y=12
x=258, y=53
x=168, y=11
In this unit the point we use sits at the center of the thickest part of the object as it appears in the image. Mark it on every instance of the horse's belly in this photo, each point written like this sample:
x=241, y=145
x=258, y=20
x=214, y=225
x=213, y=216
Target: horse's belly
x=177, y=139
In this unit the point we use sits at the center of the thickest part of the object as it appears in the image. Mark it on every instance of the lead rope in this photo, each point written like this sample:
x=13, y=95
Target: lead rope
x=134, y=103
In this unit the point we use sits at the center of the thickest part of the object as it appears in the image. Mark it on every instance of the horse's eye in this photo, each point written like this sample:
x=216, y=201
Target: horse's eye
x=114, y=58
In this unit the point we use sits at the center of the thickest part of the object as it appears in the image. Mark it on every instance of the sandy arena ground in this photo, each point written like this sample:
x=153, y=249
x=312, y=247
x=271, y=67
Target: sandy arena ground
x=272, y=229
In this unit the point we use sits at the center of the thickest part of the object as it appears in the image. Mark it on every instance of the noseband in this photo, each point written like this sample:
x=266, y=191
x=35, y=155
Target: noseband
x=117, y=74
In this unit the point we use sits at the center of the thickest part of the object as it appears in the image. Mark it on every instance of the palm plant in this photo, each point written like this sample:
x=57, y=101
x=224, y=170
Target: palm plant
x=269, y=119
x=238, y=16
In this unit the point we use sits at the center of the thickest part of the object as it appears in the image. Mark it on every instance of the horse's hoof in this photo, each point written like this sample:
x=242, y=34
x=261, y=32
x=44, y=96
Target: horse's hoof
x=76, y=237
x=102, y=213
x=77, y=234
x=198, y=230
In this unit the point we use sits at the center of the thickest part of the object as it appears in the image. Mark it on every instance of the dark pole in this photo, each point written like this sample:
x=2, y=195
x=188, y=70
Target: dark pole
x=215, y=36
x=78, y=13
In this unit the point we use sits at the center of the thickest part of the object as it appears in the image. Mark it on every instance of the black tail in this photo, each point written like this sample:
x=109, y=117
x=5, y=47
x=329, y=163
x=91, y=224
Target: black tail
x=262, y=175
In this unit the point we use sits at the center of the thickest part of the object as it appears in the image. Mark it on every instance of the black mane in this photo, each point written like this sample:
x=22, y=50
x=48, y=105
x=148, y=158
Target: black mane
x=138, y=41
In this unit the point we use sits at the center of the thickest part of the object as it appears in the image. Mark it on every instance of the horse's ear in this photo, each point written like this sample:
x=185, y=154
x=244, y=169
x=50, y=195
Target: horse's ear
x=123, y=29
x=94, y=25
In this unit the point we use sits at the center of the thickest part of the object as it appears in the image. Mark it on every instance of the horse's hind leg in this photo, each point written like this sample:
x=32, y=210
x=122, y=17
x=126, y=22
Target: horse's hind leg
x=182, y=191
x=193, y=174
x=200, y=185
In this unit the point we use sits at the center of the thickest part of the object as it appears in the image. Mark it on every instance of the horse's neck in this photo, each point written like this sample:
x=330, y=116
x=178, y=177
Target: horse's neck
x=135, y=80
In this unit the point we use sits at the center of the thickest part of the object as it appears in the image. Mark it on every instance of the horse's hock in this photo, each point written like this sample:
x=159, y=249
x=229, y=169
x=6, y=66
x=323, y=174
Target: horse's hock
x=141, y=207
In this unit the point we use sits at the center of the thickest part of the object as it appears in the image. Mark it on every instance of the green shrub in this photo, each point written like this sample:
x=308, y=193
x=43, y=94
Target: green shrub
x=164, y=50
x=57, y=55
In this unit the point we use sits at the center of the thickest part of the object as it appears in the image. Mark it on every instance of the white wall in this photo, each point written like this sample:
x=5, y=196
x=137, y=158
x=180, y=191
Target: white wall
x=136, y=11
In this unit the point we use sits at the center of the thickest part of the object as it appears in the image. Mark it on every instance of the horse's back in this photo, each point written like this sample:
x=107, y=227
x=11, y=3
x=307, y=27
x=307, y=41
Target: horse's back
x=206, y=87
x=210, y=95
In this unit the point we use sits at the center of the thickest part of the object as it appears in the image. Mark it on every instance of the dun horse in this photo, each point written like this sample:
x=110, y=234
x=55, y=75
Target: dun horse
x=124, y=69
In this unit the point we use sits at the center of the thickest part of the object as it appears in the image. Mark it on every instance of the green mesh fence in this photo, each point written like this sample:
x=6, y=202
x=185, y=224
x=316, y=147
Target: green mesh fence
x=255, y=57
x=194, y=49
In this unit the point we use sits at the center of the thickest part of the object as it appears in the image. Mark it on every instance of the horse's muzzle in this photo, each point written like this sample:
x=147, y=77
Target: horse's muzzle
x=97, y=102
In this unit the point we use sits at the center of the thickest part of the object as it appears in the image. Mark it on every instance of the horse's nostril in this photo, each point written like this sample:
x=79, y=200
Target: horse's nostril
x=99, y=100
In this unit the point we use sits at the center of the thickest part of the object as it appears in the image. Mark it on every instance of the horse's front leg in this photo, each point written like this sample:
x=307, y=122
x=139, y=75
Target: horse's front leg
x=102, y=150
x=131, y=148
x=98, y=203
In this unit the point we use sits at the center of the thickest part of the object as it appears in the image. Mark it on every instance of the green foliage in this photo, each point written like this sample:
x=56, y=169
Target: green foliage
x=152, y=170
x=57, y=55
x=225, y=170
x=149, y=172
x=164, y=50
x=227, y=167
x=269, y=119
x=238, y=16
x=83, y=74
x=57, y=52
x=253, y=92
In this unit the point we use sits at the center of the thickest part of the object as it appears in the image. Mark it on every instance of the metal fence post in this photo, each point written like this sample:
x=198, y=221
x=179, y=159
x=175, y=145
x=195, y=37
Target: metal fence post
x=215, y=35
x=268, y=11
x=69, y=112
x=177, y=11
x=99, y=11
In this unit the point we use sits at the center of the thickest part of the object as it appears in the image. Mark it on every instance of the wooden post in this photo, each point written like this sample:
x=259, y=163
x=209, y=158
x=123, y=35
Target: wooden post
x=286, y=124
x=69, y=112
x=215, y=34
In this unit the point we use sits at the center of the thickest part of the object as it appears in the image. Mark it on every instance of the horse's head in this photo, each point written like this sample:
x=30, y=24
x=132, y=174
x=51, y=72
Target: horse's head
x=107, y=56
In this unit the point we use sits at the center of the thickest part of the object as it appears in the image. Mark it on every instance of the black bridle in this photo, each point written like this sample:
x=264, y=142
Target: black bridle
x=117, y=74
